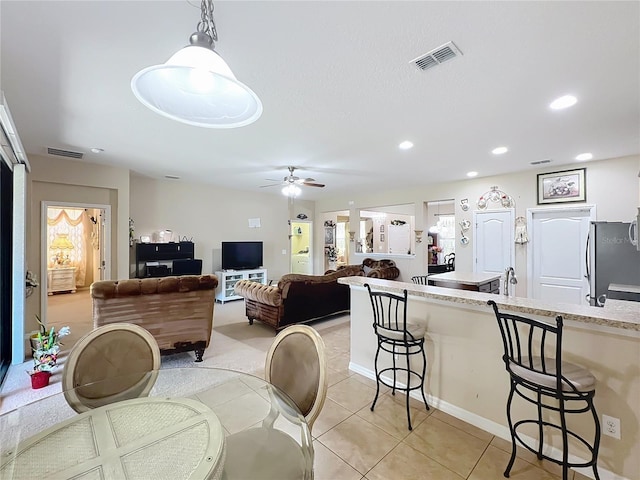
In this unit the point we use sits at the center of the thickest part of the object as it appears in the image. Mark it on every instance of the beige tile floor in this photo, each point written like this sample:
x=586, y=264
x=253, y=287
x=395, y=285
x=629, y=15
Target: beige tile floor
x=351, y=442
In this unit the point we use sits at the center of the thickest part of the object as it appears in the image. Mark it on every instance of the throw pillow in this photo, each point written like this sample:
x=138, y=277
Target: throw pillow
x=366, y=270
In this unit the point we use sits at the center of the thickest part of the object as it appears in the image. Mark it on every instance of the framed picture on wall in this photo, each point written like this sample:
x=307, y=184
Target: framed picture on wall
x=382, y=237
x=381, y=228
x=329, y=236
x=562, y=187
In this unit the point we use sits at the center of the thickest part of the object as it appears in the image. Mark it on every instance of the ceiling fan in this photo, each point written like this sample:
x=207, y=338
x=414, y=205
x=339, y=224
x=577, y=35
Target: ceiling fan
x=290, y=184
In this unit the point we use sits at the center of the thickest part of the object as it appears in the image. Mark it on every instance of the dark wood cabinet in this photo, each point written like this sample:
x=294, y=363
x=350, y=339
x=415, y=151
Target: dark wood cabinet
x=161, y=252
x=440, y=268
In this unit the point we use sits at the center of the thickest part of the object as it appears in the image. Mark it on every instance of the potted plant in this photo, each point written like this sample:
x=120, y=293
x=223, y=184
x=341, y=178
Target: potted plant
x=46, y=346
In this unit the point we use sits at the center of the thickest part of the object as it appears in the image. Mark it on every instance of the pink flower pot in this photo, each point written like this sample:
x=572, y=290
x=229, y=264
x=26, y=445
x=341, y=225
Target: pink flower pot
x=40, y=379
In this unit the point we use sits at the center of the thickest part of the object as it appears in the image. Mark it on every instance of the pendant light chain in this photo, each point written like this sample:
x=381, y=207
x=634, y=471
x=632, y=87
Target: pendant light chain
x=206, y=24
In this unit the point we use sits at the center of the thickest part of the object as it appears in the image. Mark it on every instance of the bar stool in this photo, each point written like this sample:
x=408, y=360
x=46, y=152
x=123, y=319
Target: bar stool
x=533, y=358
x=420, y=279
x=397, y=337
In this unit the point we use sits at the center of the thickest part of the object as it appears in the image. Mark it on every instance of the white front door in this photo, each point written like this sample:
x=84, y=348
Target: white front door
x=557, y=254
x=493, y=241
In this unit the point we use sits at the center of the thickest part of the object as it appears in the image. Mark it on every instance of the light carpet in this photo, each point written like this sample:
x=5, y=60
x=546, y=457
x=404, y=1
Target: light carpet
x=234, y=345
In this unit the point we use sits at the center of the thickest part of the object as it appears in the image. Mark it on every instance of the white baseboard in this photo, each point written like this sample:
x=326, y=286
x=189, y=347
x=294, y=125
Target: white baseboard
x=490, y=426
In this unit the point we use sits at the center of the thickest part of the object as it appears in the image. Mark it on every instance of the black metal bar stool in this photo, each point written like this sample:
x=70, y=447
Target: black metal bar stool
x=420, y=279
x=397, y=337
x=533, y=358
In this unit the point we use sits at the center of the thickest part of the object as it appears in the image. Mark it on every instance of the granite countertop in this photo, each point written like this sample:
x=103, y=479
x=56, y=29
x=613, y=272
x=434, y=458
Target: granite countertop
x=466, y=278
x=622, y=306
x=627, y=318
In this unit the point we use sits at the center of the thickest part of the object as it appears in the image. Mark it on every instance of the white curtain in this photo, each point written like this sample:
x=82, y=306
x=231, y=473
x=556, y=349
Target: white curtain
x=73, y=222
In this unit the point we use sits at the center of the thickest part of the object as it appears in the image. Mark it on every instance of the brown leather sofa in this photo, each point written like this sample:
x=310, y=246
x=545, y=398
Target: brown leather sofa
x=176, y=310
x=297, y=298
x=385, y=268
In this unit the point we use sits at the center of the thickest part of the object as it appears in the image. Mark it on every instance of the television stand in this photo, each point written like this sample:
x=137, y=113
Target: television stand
x=228, y=278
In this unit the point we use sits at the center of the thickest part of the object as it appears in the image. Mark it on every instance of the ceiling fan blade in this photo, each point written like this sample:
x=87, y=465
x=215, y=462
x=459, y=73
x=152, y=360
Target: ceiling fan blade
x=311, y=184
x=271, y=185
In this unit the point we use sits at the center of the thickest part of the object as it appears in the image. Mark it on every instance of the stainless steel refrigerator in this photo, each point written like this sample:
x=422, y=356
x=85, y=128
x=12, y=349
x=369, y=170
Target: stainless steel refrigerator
x=611, y=258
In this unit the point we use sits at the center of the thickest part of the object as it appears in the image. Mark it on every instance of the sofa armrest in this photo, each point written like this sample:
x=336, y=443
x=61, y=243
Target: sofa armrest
x=267, y=294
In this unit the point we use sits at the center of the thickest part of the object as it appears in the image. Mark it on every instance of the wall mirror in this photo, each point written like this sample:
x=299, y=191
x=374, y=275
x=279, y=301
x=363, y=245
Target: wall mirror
x=387, y=230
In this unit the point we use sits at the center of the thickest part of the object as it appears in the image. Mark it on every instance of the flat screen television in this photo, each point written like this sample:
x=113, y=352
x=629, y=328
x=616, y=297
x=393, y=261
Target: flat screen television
x=241, y=255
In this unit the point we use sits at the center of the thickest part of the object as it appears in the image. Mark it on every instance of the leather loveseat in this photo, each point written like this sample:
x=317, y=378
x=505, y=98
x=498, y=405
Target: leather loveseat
x=297, y=298
x=176, y=310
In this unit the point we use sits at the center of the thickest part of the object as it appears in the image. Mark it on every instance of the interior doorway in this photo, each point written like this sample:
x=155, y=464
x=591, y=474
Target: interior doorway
x=75, y=252
x=301, y=247
x=440, y=222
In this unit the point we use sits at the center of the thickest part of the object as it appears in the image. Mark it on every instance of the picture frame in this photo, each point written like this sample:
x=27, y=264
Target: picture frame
x=382, y=237
x=565, y=186
x=329, y=237
x=381, y=228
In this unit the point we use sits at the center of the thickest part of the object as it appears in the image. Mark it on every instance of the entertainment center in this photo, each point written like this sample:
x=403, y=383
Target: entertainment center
x=155, y=253
x=240, y=261
x=228, y=278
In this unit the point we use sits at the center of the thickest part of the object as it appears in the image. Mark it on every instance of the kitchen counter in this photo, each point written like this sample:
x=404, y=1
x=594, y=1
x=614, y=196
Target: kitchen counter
x=585, y=316
x=478, y=282
x=466, y=376
x=623, y=306
x=466, y=278
x=623, y=292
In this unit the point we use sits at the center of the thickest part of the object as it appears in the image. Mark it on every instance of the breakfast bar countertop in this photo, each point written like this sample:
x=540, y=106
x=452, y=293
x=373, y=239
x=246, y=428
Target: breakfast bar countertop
x=464, y=277
x=627, y=320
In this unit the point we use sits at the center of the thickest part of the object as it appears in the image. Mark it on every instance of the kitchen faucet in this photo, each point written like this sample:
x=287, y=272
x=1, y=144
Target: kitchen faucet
x=509, y=279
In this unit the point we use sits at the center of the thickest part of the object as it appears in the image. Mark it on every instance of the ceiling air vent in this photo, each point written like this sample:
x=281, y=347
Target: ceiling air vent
x=540, y=162
x=64, y=153
x=439, y=55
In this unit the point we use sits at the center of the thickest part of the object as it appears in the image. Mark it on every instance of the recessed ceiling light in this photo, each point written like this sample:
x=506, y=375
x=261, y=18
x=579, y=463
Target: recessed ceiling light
x=472, y=174
x=584, y=156
x=563, y=102
x=499, y=150
x=97, y=150
x=406, y=145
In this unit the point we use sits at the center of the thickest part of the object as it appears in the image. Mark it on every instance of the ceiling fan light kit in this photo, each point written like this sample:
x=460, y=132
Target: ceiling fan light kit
x=196, y=86
x=291, y=184
x=291, y=190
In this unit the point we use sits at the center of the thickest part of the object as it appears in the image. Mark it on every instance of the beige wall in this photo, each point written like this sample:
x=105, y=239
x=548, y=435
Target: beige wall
x=612, y=185
x=466, y=376
x=67, y=181
x=211, y=215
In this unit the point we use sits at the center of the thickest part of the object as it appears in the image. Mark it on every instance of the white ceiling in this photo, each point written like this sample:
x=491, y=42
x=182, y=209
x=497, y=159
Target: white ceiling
x=337, y=88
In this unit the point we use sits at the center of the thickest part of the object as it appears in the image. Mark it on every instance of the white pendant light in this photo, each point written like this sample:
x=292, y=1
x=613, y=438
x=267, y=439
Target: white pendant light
x=196, y=86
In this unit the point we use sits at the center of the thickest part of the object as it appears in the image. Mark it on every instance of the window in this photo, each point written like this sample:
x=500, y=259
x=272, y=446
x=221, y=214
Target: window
x=447, y=236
